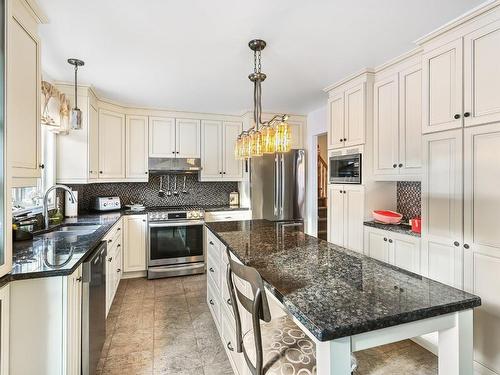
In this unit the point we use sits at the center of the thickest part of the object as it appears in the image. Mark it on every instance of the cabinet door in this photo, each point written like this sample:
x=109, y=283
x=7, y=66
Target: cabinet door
x=23, y=93
x=74, y=323
x=336, y=214
x=187, y=138
x=442, y=88
x=111, y=145
x=354, y=129
x=336, y=121
x=233, y=169
x=110, y=276
x=386, y=124
x=442, y=207
x=4, y=329
x=354, y=198
x=410, y=121
x=376, y=244
x=161, y=137
x=211, y=150
x=405, y=252
x=482, y=75
x=93, y=146
x=296, y=134
x=134, y=257
x=137, y=148
x=482, y=237
x=118, y=269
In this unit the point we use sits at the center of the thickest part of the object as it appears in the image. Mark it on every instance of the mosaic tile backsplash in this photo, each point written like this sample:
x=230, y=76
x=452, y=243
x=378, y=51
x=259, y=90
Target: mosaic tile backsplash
x=198, y=193
x=409, y=199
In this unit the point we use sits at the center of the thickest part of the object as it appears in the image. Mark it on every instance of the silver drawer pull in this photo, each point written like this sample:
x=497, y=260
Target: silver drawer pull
x=110, y=259
x=229, y=302
x=211, y=269
x=211, y=302
x=211, y=243
x=229, y=346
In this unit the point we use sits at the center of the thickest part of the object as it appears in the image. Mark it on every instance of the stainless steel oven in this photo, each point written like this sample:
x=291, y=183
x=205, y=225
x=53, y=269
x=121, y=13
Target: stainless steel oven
x=175, y=243
x=345, y=169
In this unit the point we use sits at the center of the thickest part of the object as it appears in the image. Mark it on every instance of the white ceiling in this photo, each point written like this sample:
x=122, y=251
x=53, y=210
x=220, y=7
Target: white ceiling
x=192, y=54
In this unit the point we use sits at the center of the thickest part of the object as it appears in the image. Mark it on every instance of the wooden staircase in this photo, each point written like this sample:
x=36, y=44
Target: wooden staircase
x=322, y=198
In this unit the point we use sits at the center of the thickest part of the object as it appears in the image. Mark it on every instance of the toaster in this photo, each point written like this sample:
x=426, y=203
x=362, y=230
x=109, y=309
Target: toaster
x=106, y=203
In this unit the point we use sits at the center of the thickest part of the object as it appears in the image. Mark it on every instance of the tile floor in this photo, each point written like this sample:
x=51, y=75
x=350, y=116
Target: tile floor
x=164, y=327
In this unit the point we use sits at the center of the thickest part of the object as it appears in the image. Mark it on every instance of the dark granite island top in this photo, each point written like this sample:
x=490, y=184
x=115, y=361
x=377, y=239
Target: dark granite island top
x=332, y=291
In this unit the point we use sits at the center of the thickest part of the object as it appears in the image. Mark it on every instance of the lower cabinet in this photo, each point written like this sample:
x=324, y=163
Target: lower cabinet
x=114, y=239
x=4, y=329
x=135, y=233
x=346, y=212
x=45, y=314
x=397, y=249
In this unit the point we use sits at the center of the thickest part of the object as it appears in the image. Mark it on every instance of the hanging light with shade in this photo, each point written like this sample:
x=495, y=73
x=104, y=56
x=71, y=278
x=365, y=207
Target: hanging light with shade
x=263, y=137
x=76, y=113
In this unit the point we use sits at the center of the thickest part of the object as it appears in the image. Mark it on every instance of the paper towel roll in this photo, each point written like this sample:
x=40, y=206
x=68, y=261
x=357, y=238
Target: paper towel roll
x=70, y=208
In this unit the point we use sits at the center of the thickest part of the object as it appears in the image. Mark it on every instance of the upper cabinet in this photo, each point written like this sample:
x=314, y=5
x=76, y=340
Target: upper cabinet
x=347, y=112
x=111, y=144
x=136, y=150
x=461, y=84
x=161, y=137
x=397, y=119
x=23, y=82
x=217, y=151
x=179, y=138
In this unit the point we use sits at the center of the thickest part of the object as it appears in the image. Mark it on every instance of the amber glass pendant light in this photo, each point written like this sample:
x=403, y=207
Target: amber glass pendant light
x=263, y=137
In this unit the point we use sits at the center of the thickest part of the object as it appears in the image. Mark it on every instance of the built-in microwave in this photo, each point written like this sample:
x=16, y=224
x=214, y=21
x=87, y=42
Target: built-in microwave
x=345, y=169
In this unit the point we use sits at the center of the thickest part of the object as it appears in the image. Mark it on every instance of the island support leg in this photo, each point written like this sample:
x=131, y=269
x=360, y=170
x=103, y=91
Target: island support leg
x=455, y=353
x=334, y=357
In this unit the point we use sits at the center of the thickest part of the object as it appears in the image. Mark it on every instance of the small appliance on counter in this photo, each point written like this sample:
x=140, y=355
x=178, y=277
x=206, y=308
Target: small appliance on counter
x=387, y=217
x=234, y=199
x=70, y=205
x=107, y=204
x=416, y=225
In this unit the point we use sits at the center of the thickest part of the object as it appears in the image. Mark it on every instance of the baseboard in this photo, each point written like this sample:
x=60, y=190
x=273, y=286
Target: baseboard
x=134, y=275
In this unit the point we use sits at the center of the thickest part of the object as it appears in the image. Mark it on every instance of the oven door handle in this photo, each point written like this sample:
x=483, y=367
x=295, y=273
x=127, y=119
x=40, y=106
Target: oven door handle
x=175, y=224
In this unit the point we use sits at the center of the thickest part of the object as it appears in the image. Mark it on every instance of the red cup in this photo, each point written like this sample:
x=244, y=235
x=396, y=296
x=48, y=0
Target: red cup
x=416, y=225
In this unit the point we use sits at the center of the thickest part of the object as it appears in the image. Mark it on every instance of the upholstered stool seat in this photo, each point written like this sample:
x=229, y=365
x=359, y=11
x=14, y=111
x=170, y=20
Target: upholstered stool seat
x=286, y=348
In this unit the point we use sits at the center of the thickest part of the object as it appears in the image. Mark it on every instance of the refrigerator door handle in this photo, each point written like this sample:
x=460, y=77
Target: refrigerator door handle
x=282, y=183
x=276, y=185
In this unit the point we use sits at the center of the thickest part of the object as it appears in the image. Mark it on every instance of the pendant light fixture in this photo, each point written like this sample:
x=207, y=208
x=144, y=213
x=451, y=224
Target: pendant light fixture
x=76, y=114
x=263, y=137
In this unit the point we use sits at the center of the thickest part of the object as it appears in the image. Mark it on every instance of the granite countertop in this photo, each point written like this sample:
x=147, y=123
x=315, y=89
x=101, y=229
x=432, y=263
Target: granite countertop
x=399, y=228
x=333, y=291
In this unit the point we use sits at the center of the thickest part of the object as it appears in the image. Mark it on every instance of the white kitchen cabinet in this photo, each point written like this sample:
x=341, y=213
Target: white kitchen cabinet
x=397, y=120
x=442, y=87
x=296, y=134
x=346, y=210
x=136, y=151
x=4, y=329
x=442, y=207
x=400, y=250
x=482, y=237
x=217, y=151
x=386, y=126
x=347, y=117
x=74, y=322
x=211, y=150
x=161, y=137
x=134, y=253
x=187, y=138
x=23, y=84
x=111, y=145
x=481, y=75
x=114, y=240
x=93, y=142
x=232, y=168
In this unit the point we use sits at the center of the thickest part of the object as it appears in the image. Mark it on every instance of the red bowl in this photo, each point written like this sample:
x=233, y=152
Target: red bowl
x=387, y=217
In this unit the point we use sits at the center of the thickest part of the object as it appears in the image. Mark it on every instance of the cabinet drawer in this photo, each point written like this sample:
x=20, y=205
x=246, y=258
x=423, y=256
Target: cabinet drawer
x=228, y=215
x=229, y=340
x=213, y=270
x=213, y=305
x=213, y=246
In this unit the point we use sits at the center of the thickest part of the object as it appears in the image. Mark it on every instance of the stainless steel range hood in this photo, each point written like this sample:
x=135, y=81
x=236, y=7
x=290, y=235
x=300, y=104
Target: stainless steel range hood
x=159, y=166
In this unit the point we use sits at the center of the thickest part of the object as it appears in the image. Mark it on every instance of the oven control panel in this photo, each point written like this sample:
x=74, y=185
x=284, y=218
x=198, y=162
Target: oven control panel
x=176, y=215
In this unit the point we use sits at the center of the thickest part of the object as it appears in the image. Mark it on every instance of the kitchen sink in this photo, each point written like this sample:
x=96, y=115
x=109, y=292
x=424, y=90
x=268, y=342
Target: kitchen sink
x=74, y=230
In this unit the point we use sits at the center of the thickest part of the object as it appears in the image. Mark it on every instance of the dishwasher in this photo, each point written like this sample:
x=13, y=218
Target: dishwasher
x=93, y=308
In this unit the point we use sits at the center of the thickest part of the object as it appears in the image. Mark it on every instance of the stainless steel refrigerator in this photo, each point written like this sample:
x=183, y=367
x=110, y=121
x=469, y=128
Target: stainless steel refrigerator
x=278, y=186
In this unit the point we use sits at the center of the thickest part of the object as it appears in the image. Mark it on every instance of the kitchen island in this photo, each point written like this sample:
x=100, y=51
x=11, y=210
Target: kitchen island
x=346, y=301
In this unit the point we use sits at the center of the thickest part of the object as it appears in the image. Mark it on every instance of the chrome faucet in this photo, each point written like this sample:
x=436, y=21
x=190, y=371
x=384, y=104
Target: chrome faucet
x=46, y=198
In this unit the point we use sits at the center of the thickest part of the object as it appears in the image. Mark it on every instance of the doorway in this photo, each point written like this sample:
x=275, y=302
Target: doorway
x=322, y=175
